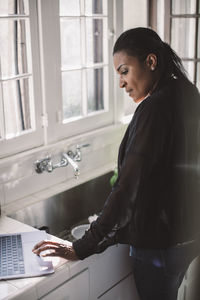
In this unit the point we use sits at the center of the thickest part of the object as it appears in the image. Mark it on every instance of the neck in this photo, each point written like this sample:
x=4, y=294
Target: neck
x=155, y=83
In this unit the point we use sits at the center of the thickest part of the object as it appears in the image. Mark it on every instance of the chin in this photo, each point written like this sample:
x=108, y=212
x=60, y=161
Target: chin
x=138, y=99
x=135, y=99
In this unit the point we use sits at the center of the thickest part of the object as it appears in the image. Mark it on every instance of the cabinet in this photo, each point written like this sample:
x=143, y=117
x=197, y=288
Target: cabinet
x=108, y=270
x=125, y=289
x=77, y=288
x=108, y=276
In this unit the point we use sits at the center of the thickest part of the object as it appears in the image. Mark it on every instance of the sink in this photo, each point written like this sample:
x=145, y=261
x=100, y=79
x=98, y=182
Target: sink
x=62, y=212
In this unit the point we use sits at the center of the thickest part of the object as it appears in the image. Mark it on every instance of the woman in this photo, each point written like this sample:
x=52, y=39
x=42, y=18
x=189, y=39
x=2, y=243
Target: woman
x=154, y=203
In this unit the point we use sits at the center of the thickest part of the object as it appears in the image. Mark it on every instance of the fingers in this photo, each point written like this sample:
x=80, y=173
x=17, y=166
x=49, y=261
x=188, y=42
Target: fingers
x=46, y=245
x=50, y=254
x=45, y=242
x=56, y=249
x=41, y=249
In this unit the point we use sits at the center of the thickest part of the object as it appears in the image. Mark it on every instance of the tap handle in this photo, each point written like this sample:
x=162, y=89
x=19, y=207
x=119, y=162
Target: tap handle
x=42, y=165
x=38, y=168
x=78, y=154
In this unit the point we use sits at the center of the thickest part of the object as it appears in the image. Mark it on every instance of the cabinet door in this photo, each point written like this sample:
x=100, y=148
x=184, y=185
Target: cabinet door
x=76, y=288
x=109, y=268
x=125, y=289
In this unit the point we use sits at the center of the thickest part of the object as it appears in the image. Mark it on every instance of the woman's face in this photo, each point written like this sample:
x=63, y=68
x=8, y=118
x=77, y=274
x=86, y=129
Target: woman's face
x=138, y=78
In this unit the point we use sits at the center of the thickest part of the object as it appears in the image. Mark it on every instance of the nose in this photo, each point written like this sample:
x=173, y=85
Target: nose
x=121, y=83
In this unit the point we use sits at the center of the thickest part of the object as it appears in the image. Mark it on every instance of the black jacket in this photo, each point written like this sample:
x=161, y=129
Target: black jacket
x=155, y=202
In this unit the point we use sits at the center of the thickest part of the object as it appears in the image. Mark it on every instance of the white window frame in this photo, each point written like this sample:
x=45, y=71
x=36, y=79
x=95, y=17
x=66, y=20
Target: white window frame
x=164, y=25
x=47, y=89
x=32, y=138
x=51, y=61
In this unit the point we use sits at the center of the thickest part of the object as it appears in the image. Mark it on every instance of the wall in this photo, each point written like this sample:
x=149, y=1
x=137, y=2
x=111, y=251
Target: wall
x=20, y=185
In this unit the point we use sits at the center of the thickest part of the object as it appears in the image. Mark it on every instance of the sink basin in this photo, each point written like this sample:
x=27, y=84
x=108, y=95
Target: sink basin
x=78, y=231
x=62, y=212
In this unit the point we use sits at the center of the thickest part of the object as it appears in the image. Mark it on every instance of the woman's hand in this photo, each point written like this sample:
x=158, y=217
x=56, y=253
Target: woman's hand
x=56, y=249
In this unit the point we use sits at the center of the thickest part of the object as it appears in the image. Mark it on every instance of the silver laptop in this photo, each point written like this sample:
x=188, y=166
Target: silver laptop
x=17, y=259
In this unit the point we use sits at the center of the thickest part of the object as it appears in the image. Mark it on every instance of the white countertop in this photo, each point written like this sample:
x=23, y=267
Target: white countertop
x=34, y=288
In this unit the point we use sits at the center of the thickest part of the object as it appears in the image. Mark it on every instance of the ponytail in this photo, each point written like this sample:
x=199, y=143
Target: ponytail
x=174, y=66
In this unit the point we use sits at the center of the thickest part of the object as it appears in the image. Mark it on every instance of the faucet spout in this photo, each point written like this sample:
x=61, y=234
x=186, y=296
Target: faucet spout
x=73, y=164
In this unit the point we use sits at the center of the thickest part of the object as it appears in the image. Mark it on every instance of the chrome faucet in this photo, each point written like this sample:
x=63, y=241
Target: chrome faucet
x=70, y=157
x=46, y=164
x=77, y=156
x=73, y=164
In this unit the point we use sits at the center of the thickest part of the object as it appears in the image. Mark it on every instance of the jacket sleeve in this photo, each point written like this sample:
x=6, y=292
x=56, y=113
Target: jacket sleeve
x=145, y=146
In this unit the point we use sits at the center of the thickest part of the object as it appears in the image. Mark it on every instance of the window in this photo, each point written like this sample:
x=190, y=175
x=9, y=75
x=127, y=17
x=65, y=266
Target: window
x=185, y=20
x=56, y=72
x=84, y=51
x=78, y=66
x=18, y=118
x=182, y=31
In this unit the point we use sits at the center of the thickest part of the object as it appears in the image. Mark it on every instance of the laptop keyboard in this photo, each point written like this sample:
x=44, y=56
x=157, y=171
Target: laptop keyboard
x=11, y=255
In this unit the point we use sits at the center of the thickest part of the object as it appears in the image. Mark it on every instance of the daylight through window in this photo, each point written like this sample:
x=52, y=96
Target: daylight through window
x=84, y=51
x=17, y=112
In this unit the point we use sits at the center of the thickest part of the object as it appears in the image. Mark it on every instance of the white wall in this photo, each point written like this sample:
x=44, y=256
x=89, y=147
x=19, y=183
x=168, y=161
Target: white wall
x=135, y=13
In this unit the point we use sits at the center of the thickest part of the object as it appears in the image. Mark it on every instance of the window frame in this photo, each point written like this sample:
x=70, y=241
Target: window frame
x=164, y=30
x=51, y=54
x=47, y=85
x=34, y=137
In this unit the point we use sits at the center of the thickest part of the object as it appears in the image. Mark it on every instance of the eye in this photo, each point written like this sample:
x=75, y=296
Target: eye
x=124, y=72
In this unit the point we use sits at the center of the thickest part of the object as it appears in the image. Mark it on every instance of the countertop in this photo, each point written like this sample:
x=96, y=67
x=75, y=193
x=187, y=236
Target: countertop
x=36, y=287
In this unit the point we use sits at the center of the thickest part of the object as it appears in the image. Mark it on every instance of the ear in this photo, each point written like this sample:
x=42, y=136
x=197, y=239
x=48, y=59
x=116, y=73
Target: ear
x=151, y=61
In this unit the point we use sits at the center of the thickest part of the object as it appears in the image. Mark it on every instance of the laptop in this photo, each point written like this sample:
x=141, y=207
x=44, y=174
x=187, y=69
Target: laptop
x=17, y=259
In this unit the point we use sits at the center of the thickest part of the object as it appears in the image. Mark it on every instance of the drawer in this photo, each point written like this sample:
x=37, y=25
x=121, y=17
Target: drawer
x=77, y=288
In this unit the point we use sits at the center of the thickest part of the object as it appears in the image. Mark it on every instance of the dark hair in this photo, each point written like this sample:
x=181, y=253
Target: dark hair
x=140, y=42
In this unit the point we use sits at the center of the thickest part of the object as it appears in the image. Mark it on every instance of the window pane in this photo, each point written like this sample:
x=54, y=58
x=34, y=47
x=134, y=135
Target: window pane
x=183, y=36
x=94, y=7
x=189, y=66
x=69, y=8
x=94, y=36
x=14, y=7
x=15, y=44
x=71, y=94
x=95, y=90
x=17, y=100
x=183, y=7
x=70, y=43
x=198, y=76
